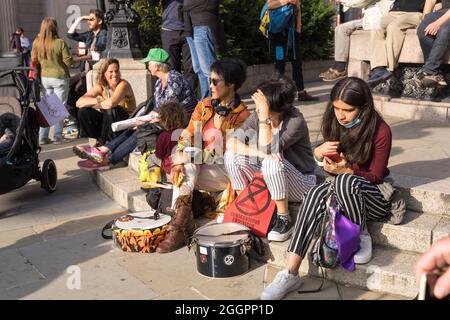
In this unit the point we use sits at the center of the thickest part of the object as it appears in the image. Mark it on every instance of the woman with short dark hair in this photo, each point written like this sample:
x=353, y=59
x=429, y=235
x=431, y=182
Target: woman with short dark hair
x=281, y=150
x=210, y=122
x=356, y=151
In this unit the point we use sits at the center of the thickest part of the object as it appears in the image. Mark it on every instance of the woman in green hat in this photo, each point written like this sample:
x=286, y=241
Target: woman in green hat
x=171, y=85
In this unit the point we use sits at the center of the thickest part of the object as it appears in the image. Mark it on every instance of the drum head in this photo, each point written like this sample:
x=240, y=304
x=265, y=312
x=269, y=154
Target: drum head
x=141, y=221
x=221, y=234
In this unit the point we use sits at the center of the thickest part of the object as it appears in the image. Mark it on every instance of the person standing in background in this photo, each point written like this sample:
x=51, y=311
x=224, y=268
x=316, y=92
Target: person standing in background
x=204, y=33
x=173, y=38
x=53, y=54
x=25, y=45
x=280, y=43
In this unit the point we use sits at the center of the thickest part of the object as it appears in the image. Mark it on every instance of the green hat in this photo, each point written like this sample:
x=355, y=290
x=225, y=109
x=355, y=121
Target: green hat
x=156, y=55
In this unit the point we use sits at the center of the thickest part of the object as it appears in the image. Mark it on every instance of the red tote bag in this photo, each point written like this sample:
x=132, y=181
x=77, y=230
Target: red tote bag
x=253, y=207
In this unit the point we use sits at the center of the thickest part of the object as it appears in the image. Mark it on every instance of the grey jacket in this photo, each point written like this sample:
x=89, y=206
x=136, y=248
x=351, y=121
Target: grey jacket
x=292, y=140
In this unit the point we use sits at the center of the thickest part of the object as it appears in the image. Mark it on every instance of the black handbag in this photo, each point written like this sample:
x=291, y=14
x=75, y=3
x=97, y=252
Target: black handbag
x=146, y=135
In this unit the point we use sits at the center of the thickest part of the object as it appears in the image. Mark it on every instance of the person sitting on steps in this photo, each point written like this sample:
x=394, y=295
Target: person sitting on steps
x=111, y=100
x=387, y=40
x=170, y=86
x=434, y=35
x=210, y=122
x=342, y=34
x=353, y=130
x=282, y=152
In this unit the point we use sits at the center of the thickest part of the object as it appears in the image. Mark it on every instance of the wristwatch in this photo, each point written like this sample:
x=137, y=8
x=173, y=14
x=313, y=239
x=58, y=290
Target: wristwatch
x=267, y=121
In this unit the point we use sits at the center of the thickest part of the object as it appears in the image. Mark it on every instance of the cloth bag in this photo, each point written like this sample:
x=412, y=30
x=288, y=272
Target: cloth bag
x=51, y=110
x=253, y=208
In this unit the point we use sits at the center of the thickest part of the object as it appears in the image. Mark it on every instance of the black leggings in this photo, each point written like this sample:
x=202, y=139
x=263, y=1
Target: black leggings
x=279, y=45
x=97, y=125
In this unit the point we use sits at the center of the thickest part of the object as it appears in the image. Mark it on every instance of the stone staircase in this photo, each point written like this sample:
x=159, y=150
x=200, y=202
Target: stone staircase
x=396, y=248
x=421, y=169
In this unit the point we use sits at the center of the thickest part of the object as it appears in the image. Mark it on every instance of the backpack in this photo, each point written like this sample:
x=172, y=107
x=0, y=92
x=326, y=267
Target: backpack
x=324, y=253
x=277, y=20
x=146, y=136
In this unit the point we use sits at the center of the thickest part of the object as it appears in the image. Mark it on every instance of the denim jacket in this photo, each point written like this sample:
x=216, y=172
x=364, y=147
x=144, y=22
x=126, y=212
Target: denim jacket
x=88, y=38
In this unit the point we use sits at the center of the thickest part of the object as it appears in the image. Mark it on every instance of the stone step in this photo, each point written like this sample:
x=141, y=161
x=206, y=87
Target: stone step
x=389, y=271
x=421, y=194
x=413, y=109
x=416, y=233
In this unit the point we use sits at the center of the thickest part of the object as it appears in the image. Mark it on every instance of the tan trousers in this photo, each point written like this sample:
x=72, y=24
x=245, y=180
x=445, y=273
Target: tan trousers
x=387, y=40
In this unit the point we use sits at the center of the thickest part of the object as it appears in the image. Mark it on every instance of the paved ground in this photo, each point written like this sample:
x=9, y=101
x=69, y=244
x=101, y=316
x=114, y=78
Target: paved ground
x=46, y=241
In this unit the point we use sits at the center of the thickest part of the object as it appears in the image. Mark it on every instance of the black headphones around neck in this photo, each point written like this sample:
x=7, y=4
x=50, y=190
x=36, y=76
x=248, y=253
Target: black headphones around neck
x=222, y=110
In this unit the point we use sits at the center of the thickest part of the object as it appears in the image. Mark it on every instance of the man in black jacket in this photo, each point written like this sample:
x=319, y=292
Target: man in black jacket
x=205, y=36
x=173, y=38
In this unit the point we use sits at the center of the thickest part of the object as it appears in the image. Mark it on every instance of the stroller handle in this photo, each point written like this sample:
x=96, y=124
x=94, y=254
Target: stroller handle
x=6, y=73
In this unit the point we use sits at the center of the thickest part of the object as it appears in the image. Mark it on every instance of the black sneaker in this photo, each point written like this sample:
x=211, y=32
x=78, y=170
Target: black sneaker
x=281, y=228
x=377, y=76
x=433, y=80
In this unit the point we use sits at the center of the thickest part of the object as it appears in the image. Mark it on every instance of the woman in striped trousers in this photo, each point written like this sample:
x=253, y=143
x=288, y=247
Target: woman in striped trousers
x=356, y=151
x=280, y=149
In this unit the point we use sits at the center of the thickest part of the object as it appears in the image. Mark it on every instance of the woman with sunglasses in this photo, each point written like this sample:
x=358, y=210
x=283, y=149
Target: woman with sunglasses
x=356, y=149
x=203, y=141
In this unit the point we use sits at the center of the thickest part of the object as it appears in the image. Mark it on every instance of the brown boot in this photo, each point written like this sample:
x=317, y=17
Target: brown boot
x=305, y=96
x=180, y=228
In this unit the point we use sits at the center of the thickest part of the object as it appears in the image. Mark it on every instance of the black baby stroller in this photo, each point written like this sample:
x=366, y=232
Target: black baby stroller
x=20, y=163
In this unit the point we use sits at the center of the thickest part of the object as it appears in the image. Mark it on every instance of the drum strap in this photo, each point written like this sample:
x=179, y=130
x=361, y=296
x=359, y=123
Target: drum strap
x=107, y=227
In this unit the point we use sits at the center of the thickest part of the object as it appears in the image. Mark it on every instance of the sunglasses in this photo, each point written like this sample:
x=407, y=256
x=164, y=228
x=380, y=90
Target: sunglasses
x=215, y=82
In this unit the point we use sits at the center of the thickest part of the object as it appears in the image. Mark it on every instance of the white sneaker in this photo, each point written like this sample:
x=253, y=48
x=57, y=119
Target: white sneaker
x=283, y=283
x=220, y=217
x=364, y=254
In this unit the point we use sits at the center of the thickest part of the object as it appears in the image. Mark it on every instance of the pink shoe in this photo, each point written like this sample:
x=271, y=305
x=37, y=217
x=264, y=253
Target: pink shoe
x=80, y=151
x=89, y=165
x=94, y=154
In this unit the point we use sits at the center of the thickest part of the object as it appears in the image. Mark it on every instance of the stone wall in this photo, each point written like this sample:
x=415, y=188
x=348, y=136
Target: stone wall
x=258, y=73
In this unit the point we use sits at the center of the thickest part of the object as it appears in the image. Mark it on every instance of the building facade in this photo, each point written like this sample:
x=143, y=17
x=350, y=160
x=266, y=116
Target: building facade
x=28, y=14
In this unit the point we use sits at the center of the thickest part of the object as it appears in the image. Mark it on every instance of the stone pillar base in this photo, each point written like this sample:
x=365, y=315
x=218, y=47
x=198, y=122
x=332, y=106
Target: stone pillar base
x=358, y=68
x=132, y=71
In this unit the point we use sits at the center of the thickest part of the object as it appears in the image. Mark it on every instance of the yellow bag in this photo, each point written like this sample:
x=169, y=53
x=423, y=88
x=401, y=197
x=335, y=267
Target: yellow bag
x=265, y=20
x=147, y=174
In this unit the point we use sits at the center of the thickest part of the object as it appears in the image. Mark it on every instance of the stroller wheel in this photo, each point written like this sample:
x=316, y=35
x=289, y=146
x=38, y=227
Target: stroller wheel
x=49, y=176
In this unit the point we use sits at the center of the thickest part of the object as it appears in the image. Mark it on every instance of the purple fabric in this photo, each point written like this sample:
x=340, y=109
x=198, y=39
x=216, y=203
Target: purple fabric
x=347, y=236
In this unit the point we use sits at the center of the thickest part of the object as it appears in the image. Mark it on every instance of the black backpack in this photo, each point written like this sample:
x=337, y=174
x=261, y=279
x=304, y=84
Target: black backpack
x=146, y=136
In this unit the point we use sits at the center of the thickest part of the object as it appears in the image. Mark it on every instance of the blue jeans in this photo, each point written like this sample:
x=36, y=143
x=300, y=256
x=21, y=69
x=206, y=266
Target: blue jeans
x=434, y=48
x=61, y=88
x=203, y=55
x=122, y=145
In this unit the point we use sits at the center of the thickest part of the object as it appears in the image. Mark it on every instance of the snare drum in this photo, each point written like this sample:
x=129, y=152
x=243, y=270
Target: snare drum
x=221, y=249
x=139, y=232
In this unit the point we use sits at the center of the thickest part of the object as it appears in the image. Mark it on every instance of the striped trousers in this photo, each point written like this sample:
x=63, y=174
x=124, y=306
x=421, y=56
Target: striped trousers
x=282, y=178
x=360, y=200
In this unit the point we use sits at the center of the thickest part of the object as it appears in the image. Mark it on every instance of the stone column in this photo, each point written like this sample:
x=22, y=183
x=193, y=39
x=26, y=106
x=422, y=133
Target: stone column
x=8, y=22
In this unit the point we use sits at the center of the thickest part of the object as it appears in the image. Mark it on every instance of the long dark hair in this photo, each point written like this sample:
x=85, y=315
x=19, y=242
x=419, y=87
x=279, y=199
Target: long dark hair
x=356, y=143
